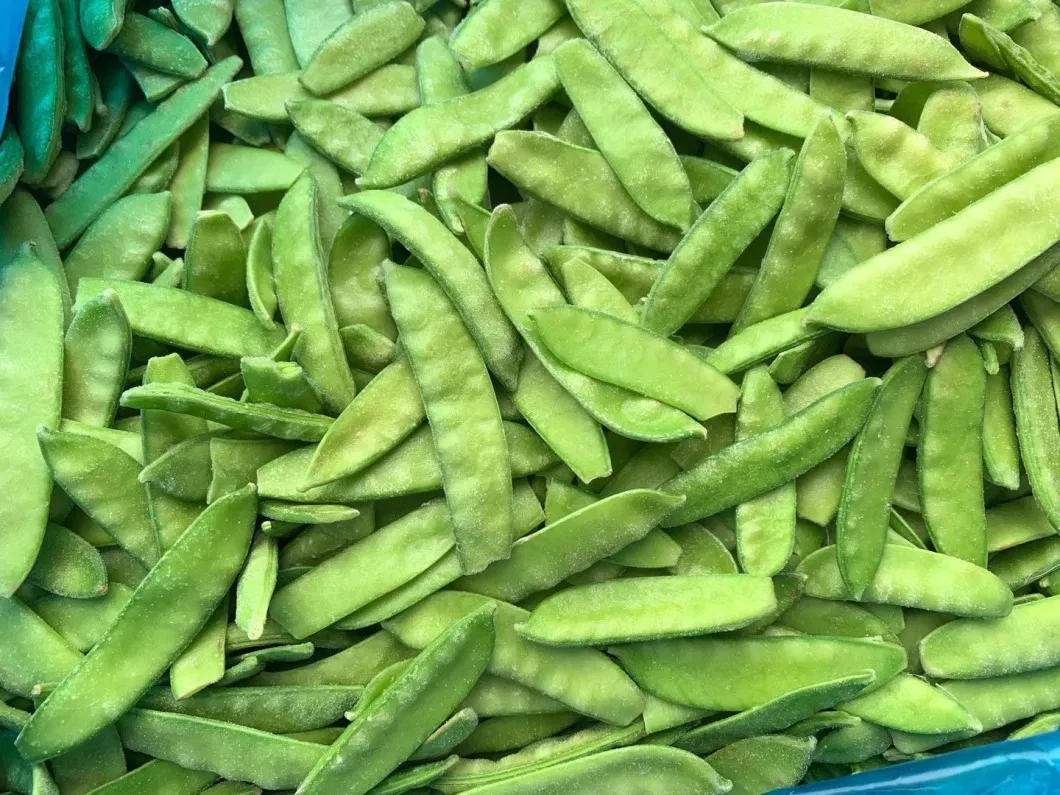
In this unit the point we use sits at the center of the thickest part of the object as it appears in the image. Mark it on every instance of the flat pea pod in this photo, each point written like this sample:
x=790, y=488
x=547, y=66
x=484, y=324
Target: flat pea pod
x=41, y=88
x=454, y=732
x=721, y=233
x=82, y=622
x=97, y=346
x=914, y=13
x=1000, y=700
x=233, y=751
x=643, y=159
x=362, y=44
x=127, y=158
x=429, y=136
x=911, y=577
x=997, y=165
x=185, y=587
x=158, y=47
x=255, y=586
x=911, y=704
x=806, y=34
x=634, y=358
x=588, y=288
x=304, y=295
x=584, y=680
x=443, y=354
x=12, y=160
x=1020, y=642
x=640, y=50
x=626, y=769
x=35, y=656
x=1016, y=522
x=949, y=453
x=489, y=36
x=405, y=714
x=353, y=666
x=215, y=260
x=263, y=418
x=898, y=157
x=872, y=468
x=572, y=544
x=734, y=674
x=903, y=272
x=764, y=340
x=767, y=460
x=761, y=764
x=69, y=566
x=456, y=270
x=952, y=119
x=513, y=732
x=522, y=284
x=535, y=162
x=341, y=134
x=643, y=608
x=1035, y=408
x=1000, y=445
x=31, y=345
x=159, y=776
x=777, y=714
x=233, y=168
x=359, y=249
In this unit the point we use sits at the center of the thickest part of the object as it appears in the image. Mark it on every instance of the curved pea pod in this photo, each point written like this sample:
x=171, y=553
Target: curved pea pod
x=1016, y=522
x=31, y=343
x=1036, y=425
x=776, y=714
x=434, y=134
x=672, y=770
x=394, y=724
x=634, y=358
x=898, y=157
x=761, y=764
x=1023, y=565
x=588, y=288
x=572, y=544
x=508, y=733
x=764, y=340
x=164, y=614
x=831, y=38
x=872, y=468
x=850, y=745
x=640, y=49
x=522, y=284
x=710, y=248
x=82, y=622
x=456, y=270
x=126, y=159
x=341, y=134
x=501, y=29
x=67, y=565
x=359, y=249
x=494, y=696
x=644, y=609
x=585, y=680
x=813, y=616
x=910, y=704
x=457, y=729
x=911, y=577
x=767, y=460
x=535, y=162
x=97, y=347
x=909, y=283
x=1000, y=700
x=734, y=674
x=949, y=453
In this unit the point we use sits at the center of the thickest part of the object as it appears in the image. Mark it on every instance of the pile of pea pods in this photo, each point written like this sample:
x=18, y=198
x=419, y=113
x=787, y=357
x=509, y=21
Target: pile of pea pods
x=535, y=397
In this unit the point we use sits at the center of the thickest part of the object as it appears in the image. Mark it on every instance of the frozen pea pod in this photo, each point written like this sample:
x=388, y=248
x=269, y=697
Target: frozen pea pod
x=1020, y=566
x=417, y=702
x=233, y=168
x=157, y=46
x=872, y=468
x=82, y=622
x=96, y=358
x=898, y=157
x=215, y=260
x=588, y=288
x=639, y=48
x=573, y=544
x=762, y=462
x=632, y=357
x=41, y=88
x=457, y=729
x=429, y=136
x=207, y=20
x=12, y=160
x=202, y=663
x=522, y=284
x=456, y=270
x=649, y=608
x=911, y=577
x=802, y=230
x=1016, y=522
x=911, y=704
x=585, y=680
x=185, y=588
x=510, y=733
x=361, y=45
x=912, y=275
x=721, y=233
x=339, y=133
x=1035, y=408
x=128, y=157
x=282, y=384
x=639, y=152
x=734, y=674
x=255, y=586
x=760, y=764
x=817, y=35
x=32, y=345
x=67, y=565
x=1001, y=700
x=36, y=655
x=460, y=405
x=953, y=120
x=498, y=30
x=764, y=340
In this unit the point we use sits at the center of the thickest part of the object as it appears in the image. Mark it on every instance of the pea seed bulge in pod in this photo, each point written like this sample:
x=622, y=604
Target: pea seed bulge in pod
x=513, y=397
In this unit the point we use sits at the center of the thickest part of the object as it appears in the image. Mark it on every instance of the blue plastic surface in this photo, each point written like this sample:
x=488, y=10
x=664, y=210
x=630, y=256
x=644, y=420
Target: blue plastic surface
x=12, y=14
x=1017, y=767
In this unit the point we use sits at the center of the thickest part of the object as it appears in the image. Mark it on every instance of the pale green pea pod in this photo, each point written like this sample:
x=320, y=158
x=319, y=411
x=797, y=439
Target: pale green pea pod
x=1000, y=700
x=996, y=49
x=914, y=12
x=636, y=609
x=1009, y=106
x=777, y=714
x=354, y=666
x=1042, y=724
x=232, y=168
x=513, y=732
x=1010, y=216
x=216, y=259
x=255, y=586
x=761, y=764
x=202, y=663
x=911, y=577
x=67, y=565
x=282, y=384
x=97, y=346
x=497, y=697
x=952, y=119
x=910, y=704
x=359, y=249
x=584, y=679
x=588, y=288
x=208, y=20
x=806, y=34
x=431, y=135
x=82, y=622
x=826, y=617
x=502, y=28
x=901, y=159
x=1017, y=522
x=1035, y=407
x=450, y=735
x=734, y=674
x=764, y=340
x=720, y=234
x=339, y=133
x=1027, y=563
x=37, y=655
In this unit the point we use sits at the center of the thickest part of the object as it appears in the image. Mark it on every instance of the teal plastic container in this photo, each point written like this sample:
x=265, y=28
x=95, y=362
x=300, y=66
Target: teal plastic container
x=12, y=14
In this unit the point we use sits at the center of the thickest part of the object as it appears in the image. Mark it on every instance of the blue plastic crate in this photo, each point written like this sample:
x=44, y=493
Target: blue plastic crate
x=12, y=14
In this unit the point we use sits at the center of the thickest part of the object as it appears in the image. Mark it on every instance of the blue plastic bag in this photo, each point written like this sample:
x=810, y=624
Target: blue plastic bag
x=12, y=15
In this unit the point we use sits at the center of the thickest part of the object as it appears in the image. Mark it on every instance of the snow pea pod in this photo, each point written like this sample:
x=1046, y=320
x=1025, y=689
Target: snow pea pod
x=1035, y=407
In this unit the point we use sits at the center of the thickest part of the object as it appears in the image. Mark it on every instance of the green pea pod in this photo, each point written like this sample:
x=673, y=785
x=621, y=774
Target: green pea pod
x=898, y=157
x=760, y=764
x=1032, y=399
x=97, y=346
x=1000, y=700
x=67, y=565
x=41, y=88
x=12, y=160
x=767, y=460
x=408, y=710
x=36, y=656
x=342, y=135
x=1027, y=563
x=366, y=348
x=215, y=263
x=909, y=703
x=826, y=617
x=1016, y=522
x=157, y=46
x=184, y=588
x=911, y=577
x=202, y=663
x=451, y=734
x=502, y=29
x=513, y=732
x=588, y=288
x=282, y=384
x=83, y=622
